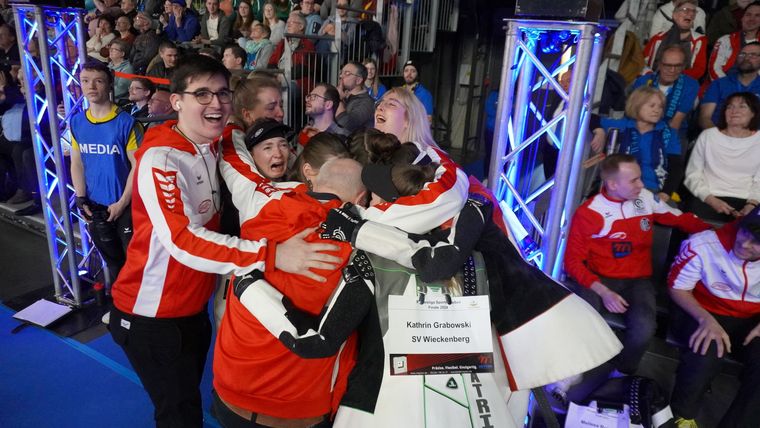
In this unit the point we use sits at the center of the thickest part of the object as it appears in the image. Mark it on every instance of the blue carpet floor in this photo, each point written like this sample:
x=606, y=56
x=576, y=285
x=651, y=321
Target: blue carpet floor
x=50, y=381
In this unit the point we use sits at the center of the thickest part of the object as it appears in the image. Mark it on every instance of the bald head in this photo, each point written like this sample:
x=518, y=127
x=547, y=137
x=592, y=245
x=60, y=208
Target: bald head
x=342, y=177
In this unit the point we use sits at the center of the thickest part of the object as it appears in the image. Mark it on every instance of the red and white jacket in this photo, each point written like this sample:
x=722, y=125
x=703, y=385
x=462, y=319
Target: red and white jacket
x=613, y=238
x=724, y=53
x=721, y=282
x=438, y=202
x=175, y=252
x=699, y=46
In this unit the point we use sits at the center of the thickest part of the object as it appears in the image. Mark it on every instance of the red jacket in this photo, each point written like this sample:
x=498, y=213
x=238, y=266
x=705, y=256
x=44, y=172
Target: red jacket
x=252, y=369
x=175, y=252
x=613, y=238
x=304, y=56
x=699, y=46
x=724, y=54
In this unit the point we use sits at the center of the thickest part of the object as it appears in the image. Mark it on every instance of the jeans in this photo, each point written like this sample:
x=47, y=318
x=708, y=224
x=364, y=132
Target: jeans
x=696, y=372
x=640, y=318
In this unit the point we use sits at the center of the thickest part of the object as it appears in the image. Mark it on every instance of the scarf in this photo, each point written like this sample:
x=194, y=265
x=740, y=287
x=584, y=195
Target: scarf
x=660, y=141
x=674, y=95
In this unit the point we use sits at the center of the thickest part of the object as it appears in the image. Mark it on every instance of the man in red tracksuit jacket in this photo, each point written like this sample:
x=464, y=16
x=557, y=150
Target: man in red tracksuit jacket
x=609, y=250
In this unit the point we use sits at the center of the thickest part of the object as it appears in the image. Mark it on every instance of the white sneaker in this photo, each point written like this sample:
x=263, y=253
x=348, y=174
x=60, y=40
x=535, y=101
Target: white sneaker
x=106, y=317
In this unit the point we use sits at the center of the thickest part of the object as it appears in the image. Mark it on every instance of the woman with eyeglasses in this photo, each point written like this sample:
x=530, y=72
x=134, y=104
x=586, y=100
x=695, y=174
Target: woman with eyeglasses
x=161, y=294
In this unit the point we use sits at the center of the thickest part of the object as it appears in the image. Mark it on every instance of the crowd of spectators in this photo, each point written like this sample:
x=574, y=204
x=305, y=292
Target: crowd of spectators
x=688, y=152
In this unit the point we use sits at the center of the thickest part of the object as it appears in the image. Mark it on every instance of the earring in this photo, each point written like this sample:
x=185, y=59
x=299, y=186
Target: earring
x=176, y=105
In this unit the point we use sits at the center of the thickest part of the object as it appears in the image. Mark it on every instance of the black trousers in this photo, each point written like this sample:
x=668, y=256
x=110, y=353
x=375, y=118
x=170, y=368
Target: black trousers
x=111, y=238
x=696, y=372
x=168, y=355
x=706, y=212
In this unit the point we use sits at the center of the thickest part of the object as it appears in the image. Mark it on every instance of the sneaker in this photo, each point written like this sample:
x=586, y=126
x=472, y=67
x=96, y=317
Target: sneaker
x=19, y=197
x=686, y=423
x=106, y=317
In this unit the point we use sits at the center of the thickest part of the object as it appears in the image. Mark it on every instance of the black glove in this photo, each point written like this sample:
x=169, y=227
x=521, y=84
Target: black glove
x=342, y=224
x=83, y=201
x=242, y=282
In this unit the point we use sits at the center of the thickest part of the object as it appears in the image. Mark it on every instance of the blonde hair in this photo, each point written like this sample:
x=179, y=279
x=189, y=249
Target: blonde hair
x=246, y=95
x=419, y=126
x=639, y=97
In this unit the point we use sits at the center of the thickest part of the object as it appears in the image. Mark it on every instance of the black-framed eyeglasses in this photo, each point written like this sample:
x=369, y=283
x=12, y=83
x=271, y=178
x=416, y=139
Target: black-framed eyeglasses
x=312, y=96
x=204, y=96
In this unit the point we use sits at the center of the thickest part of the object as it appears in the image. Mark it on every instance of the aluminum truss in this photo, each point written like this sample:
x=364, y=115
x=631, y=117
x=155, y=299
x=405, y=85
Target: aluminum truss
x=536, y=53
x=58, y=33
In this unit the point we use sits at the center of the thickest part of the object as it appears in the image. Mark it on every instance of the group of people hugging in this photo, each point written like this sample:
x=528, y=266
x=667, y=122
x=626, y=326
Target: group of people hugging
x=326, y=247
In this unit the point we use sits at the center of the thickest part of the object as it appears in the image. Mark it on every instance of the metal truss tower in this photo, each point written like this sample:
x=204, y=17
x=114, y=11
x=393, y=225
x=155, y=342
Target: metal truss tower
x=51, y=43
x=536, y=54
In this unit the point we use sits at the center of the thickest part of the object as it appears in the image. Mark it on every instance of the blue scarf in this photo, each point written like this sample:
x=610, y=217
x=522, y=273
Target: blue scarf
x=674, y=96
x=630, y=144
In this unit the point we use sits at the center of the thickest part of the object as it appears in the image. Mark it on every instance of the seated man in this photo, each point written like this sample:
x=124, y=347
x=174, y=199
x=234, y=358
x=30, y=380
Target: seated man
x=716, y=281
x=609, y=250
x=164, y=68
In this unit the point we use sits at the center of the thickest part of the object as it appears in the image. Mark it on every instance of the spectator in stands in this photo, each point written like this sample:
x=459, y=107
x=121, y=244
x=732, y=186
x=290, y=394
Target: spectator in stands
x=727, y=47
x=165, y=67
x=145, y=46
x=8, y=48
x=726, y=20
x=356, y=108
x=744, y=79
x=681, y=32
x=183, y=23
x=103, y=143
x=310, y=14
x=233, y=58
x=159, y=106
x=347, y=29
x=118, y=53
x=715, y=283
x=375, y=87
x=327, y=9
x=101, y=39
x=412, y=83
x=723, y=172
x=282, y=8
x=129, y=9
x=124, y=29
x=610, y=252
x=680, y=90
x=256, y=98
x=321, y=105
x=108, y=7
x=664, y=18
x=243, y=20
x=258, y=47
x=12, y=143
x=274, y=23
x=296, y=65
x=6, y=11
x=140, y=92
x=216, y=27
x=655, y=145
